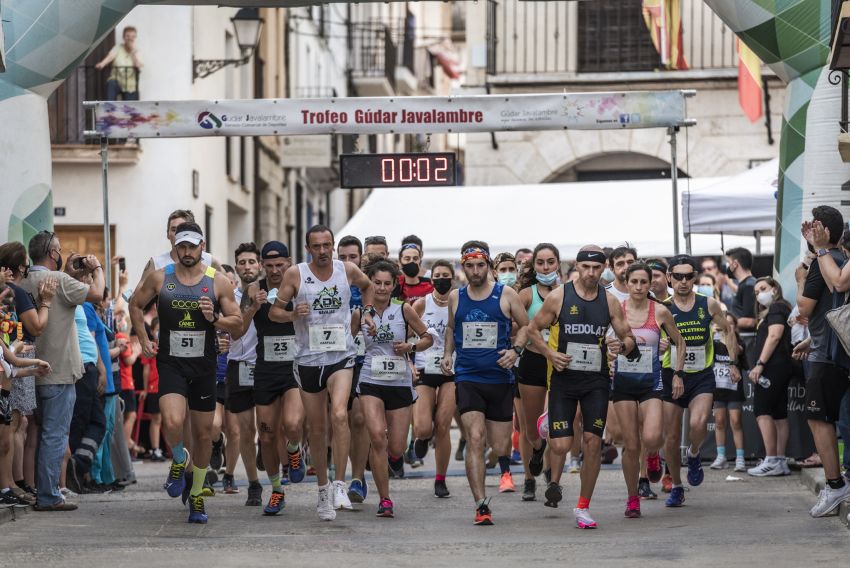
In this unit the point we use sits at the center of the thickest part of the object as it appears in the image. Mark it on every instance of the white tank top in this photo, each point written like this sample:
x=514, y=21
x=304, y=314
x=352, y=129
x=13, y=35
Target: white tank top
x=435, y=317
x=381, y=365
x=324, y=336
x=164, y=259
x=244, y=348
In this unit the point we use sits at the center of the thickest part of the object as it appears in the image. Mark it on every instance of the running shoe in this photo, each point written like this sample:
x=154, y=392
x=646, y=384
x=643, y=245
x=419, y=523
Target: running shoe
x=529, y=490
x=196, y=510
x=357, y=491
x=483, y=515
x=575, y=465
x=296, y=467
x=766, y=468
x=666, y=483
x=420, y=448
x=157, y=455
x=175, y=483
x=676, y=498
x=695, y=472
x=229, y=485
x=787, y=470
x=324, y=506
x=719, y=462
x=740, y=464
x=208, y=490
x=583, y=519
x=255, y=494
x=385, y=509
x=396, y=469
x=409, y=457
x=217, y=454
x=461, y=447
x=10, y=500
x=340, y=496
x=67, y=493
x=440, y=489
x=654, y=471
x=633, y=507
x=645, y=490
x=554, y=494
x=535, y=464
x=609, y=453
x=516, y=458
x=547, y=476
x=260, y=465
x=277, y=501
x=829, y=499
x=26, y=487
x=506, y=483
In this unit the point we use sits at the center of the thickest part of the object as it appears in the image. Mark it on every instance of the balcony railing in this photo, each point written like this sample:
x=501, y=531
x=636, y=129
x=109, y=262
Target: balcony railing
x=592, y=37
x=65, y=106
x=373, y=52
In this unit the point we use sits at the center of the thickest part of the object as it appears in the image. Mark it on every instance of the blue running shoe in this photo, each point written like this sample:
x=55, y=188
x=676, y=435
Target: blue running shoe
x=196, y=510
x=357, y=491
x=175, y=483
x=695, y=472
x=277, y=502
x=297, y=470
x=676, y=498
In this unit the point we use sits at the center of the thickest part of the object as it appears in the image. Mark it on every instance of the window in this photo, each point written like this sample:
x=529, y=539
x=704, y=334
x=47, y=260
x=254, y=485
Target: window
x=613, y=37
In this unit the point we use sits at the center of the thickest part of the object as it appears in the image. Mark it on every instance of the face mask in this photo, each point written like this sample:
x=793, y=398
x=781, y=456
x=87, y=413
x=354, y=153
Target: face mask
x=705, y=290
x=608, y=275
x=442, y=285
x=507, y=278
x=546, y=279
x=410, y=269
x=727, y=270
x=765, y=298
x=59, y=262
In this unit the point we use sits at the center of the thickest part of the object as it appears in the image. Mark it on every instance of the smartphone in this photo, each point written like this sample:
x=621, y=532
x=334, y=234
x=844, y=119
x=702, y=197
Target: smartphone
x=122, y=264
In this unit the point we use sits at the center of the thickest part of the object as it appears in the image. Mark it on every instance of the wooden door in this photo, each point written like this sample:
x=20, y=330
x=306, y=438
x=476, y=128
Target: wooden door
x=85, y=239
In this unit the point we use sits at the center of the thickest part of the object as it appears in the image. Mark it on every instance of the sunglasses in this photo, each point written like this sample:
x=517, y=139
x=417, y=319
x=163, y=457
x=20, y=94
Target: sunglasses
x=683, y=276
x=377, y=240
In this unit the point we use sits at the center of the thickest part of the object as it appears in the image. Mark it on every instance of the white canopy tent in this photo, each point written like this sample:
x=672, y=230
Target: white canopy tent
x=509, y=217
x=744, y=204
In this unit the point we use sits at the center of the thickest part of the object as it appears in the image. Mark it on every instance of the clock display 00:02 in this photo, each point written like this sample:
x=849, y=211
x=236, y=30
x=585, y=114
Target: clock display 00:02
x=397, y=170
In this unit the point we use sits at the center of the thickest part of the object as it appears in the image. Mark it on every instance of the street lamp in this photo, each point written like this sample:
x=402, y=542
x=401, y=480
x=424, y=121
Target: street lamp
x=247, y=25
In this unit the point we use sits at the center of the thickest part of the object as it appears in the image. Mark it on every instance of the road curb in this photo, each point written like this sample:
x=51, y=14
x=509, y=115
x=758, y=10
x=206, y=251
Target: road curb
x=12, y=514
x=814, y=479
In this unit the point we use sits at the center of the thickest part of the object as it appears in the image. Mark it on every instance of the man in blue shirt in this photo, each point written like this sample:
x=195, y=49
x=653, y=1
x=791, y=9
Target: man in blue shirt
x=101, y=470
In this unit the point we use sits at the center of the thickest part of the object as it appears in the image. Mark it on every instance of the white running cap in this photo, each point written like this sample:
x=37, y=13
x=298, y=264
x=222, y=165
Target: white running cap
x=190, y=237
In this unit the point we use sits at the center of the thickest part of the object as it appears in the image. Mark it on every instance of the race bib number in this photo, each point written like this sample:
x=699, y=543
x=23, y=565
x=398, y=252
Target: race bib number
x=433, y=358
x=327, y=337
x=642, y=366
x=279, y=348
x=246, y=374
x=585, y=357
x=480, y=334
x=187, y=343
x=723, y=377
x=360, y=343
x=388, y=367
x=694, y=358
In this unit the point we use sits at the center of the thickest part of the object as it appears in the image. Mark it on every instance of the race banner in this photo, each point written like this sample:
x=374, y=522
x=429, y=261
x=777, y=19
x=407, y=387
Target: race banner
x=383, y=115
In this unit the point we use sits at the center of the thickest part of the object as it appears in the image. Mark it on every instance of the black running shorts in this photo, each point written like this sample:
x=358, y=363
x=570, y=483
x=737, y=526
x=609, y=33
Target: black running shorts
x=494, y=400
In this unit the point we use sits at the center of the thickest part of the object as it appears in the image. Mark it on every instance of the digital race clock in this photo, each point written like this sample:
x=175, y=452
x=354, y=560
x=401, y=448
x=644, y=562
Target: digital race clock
x=397, y=170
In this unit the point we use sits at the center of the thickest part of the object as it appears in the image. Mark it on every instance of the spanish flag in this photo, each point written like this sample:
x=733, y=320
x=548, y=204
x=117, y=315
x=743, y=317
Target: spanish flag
x=750, y=87
x=664, y=20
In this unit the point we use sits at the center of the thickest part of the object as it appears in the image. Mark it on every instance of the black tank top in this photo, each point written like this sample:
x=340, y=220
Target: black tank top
x=580, y=332
x=276, y=339
x=186, y=339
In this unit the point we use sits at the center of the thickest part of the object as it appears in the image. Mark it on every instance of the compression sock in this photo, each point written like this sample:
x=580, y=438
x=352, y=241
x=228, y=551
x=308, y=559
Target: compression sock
x=277, y=486
x=293, y=447
x=505, y=464
x=178, y=453
x=199, y=475
x=739, y=453
x=837, y=483
x=439, y=477
x=721, y=452
x=583, y=503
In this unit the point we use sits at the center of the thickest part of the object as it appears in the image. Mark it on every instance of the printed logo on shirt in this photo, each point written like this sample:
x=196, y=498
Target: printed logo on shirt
x=170, y=286
x=309, y=280
x=384, y=334
x=187, y=322
x=327, y=301
x=701, y=313
x=573, y=310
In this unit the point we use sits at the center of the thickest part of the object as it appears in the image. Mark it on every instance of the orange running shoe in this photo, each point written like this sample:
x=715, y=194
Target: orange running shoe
x=483, y=516
x=667, y=483
x=506, y=483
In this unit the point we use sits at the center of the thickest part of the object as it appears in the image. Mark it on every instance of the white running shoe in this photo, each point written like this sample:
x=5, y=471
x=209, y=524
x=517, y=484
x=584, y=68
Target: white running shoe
x=783, y=462
x=829, y=499
x=340, y=496
x=719, y=463
x=740, y=464
x=766, y=468
x=575, y=465
x=583, y=519
x=67, y=492
x=325, y=507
